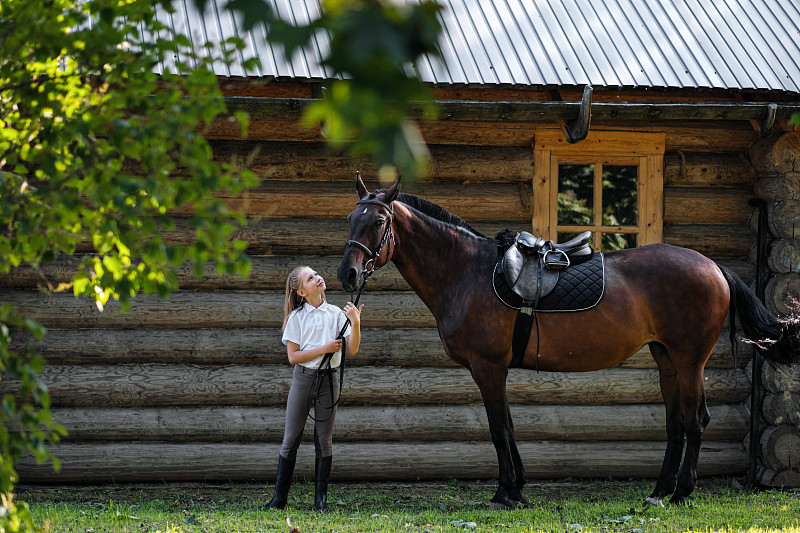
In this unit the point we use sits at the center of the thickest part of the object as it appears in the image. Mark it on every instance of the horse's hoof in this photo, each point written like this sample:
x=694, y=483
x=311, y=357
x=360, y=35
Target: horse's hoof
x=503, y=505
x=655, y=502
x=680, y=500
x=517, y=498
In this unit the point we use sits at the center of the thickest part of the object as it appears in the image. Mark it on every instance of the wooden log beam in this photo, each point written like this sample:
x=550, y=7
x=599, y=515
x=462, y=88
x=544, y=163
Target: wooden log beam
x=777, y=155
x=213, y=309
x=390, y=423
x=266, y=273
x=784, y=218
x=726, y=138
x=707, y=205
x=158, y=462
x=706, y=169
x=288, y=199
x=206, y=309
x=782, y=293
x=722, y=136
x=777, y=377
x=786, y=478
x=127, y=385
x=315, y=162
x=784, y=255
x=712, y=240
x=379, y=347
x=782, y=408
x=780, y=187
x=537, y=111
x=289, y=236
x=780, y=446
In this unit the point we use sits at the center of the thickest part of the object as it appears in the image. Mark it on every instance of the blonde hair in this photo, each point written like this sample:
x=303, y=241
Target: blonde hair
x=293, y=300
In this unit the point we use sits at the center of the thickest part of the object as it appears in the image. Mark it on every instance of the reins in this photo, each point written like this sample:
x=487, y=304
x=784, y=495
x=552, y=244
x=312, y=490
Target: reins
x=324, y=369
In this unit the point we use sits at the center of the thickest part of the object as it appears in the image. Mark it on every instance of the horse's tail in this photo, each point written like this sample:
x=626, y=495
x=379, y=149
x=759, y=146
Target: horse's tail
x=760, y=326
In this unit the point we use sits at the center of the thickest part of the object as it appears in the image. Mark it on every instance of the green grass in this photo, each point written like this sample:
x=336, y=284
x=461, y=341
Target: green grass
x=455, y=506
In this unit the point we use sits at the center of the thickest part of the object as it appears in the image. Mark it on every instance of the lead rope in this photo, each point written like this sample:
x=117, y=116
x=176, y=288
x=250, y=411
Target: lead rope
x=325, y=370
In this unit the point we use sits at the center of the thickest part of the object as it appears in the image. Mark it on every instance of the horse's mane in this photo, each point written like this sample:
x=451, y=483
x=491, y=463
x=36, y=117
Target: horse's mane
x=505, y=239
x=432, y=210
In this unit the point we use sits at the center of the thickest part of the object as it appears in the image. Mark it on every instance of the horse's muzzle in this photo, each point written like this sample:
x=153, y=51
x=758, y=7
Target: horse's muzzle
x=349, y=277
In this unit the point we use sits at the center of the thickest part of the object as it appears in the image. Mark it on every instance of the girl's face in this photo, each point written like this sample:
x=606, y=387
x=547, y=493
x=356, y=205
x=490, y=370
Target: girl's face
x=311, y=284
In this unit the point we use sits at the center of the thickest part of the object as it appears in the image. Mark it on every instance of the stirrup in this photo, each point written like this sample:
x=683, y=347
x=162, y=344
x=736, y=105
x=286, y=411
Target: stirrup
x=556, y=263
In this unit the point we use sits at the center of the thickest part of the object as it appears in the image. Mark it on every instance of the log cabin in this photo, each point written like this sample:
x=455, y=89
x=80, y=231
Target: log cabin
x=690, y=117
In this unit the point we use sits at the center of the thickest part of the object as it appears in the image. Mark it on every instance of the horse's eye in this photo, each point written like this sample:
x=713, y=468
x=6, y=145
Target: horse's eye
x=379, y=223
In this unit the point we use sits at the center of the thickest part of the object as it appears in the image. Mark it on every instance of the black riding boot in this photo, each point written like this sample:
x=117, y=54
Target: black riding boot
x=282, y=483
x=321, y=479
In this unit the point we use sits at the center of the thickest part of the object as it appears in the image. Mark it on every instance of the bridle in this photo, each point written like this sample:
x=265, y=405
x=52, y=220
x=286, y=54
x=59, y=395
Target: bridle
x=324, y=369
x=369, y=266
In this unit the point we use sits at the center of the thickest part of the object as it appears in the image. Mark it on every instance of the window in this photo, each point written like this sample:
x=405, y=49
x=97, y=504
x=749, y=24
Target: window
x=610, y=184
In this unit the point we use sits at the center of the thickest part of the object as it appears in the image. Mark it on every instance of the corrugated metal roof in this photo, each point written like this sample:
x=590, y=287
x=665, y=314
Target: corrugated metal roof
x=718, y=44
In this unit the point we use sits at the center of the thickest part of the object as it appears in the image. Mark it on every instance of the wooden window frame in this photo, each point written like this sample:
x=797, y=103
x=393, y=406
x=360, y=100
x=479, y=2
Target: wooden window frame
x=646, y=150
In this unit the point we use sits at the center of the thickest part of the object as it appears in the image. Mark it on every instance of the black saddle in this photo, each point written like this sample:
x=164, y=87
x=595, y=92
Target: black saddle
x=530, y=270
x=531, y=265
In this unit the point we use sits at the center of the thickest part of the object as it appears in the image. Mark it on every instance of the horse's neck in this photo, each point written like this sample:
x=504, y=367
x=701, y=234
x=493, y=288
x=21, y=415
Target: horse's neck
x=431, y=256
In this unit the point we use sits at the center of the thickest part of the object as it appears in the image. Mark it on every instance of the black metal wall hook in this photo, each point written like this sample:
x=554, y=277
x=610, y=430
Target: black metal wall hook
x=577, y=130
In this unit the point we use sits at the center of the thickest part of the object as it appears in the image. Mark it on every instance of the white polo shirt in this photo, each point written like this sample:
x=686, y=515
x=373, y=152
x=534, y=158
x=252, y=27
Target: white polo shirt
x=311, y=327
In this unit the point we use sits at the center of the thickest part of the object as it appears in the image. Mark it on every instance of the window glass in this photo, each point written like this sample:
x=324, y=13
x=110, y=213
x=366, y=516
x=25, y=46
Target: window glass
x=619, y=195
x=575, y=195
x=618, y=241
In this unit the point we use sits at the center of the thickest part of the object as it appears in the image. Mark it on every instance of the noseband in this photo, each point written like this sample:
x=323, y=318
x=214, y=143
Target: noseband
x=369, y=266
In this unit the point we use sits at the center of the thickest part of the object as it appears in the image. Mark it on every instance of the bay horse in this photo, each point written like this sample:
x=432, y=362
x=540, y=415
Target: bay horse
x=672, y=299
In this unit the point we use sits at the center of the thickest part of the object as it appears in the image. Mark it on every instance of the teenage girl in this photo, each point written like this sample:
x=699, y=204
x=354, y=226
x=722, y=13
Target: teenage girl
x=310, y=328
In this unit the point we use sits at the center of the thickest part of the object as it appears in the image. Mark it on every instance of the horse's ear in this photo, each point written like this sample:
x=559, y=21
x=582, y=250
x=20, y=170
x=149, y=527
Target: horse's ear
x=391, y=194
x=360, y=187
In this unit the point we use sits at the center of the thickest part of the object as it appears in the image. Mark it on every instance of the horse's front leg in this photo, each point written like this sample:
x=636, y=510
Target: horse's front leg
x=491, y=380
x=515, y=494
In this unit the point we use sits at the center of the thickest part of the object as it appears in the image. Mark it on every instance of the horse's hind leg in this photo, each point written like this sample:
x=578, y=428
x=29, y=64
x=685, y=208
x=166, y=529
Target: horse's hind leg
x=696, y=415
x=687, y=418
x=668, y=478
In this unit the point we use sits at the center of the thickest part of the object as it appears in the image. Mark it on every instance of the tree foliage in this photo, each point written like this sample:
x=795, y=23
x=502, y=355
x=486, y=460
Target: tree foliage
x=101, y=156
x=104, y=159
x=373, y=48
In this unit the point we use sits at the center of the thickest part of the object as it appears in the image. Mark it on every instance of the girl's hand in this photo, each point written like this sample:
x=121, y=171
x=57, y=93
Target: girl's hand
x=333, y=346
x=352, y=312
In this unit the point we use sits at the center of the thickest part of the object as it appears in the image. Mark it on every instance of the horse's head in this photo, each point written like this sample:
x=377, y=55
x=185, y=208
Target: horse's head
x=371, y=242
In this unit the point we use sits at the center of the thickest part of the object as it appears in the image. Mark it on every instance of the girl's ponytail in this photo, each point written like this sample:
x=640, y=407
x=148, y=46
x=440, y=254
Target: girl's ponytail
x=293, y=300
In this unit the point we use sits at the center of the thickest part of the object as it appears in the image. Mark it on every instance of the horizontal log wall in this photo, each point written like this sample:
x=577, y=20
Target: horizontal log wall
x=268, y=385
x=193, y=388
x=164, y=461
x=369, y=423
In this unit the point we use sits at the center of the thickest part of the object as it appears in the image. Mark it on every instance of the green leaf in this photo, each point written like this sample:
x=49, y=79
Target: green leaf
x=80, y=283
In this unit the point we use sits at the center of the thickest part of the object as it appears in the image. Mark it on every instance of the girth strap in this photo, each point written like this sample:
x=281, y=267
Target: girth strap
x=523, y=325
x=522, y=333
